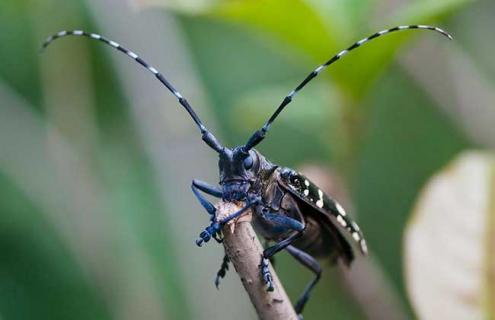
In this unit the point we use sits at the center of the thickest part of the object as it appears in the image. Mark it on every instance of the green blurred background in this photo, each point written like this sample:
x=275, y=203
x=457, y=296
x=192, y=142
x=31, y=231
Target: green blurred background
x=97, y=220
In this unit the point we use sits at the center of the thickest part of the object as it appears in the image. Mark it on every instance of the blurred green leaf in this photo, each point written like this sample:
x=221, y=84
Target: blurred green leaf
x=298, y=24
x=321, y=29
x=44, y=273
x=344, y=18
x=449, y=256
x=307, y=111
x=232, y=62
x=405, y=142
x=136, y=205
x=313, y=117
x=428, y=11
x=185, y=6
x=18, y=63
x=39, y=276
x=357, y=76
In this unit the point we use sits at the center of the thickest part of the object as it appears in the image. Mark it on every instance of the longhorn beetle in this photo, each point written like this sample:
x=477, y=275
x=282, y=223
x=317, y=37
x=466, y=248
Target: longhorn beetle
x=287, y=207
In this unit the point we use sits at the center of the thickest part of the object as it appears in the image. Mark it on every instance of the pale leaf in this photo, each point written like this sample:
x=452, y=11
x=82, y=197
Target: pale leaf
x=449, y=253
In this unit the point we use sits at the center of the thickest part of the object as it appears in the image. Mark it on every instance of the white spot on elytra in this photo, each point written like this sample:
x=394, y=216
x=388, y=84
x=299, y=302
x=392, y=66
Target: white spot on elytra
x=340, y=209
x=341, y=221
x=306, y=182
x=319, y=203
x=355, y=226
x=356, y=236
x=364, y=247
x=306, y=192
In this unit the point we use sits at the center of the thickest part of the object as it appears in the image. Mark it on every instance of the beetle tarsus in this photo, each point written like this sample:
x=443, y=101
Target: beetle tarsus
x=208, y=233
x=223, y=270
x=266, y=275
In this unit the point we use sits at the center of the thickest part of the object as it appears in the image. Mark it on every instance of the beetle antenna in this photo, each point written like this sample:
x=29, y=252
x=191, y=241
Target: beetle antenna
x=259, y=135
x=207, y=136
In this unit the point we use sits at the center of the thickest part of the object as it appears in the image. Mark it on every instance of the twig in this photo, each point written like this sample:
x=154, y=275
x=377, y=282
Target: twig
x=244, y=250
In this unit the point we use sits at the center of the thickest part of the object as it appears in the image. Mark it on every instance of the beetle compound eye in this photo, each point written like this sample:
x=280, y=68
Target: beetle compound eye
x=248, y=162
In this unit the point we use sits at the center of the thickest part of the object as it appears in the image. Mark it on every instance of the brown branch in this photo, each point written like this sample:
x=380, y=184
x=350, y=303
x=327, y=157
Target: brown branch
x=244, y=250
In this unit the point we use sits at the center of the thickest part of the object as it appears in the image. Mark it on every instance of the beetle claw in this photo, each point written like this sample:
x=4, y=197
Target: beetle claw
x=218, y=238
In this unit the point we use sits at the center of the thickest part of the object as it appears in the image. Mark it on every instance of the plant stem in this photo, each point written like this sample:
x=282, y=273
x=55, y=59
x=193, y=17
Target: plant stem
x=244, y=250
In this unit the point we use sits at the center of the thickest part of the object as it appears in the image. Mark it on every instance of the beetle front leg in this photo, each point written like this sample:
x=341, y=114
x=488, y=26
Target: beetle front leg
x=282, y=223
x=198, y=186
x=214, y=228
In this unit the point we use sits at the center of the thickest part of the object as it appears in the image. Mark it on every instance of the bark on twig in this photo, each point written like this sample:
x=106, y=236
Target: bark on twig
x=244, y=250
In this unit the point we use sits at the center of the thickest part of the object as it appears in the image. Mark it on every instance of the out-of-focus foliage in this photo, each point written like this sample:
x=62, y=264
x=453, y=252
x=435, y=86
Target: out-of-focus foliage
x=320, y=29
x=82, y=233
x=449, y=242
x=397, y=157
x=96, y=215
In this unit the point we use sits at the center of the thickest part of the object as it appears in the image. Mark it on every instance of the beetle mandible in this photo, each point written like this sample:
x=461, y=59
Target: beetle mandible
x=287, y=207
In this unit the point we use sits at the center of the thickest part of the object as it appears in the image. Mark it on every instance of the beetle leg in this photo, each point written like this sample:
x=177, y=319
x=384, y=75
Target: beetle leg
x=208, y=188
x=198, y=186
x=223, y=270
x=266, y=275
x=249, y=205
x=216, y=226
x=310, y=263
x=284, y=223
x=272, y=258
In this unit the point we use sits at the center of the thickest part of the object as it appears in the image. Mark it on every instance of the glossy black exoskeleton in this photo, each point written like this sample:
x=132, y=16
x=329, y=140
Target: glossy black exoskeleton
x=288, y=208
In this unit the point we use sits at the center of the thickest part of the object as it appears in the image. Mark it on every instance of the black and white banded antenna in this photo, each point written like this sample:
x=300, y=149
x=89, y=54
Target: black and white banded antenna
x=259, y=135
x=207, y=136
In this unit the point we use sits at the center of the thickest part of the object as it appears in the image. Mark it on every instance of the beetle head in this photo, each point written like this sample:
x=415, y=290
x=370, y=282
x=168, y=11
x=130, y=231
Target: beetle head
x=238, y=170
